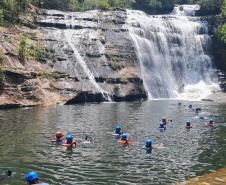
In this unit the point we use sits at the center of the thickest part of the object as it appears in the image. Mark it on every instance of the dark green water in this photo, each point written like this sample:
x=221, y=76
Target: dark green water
x=25, y=136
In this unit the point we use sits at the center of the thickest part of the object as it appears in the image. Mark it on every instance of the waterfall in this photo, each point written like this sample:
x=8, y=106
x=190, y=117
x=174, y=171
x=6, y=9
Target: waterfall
x=173, y=53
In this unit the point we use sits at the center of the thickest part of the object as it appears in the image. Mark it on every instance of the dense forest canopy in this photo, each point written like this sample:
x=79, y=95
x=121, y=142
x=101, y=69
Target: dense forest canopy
x=9, y=9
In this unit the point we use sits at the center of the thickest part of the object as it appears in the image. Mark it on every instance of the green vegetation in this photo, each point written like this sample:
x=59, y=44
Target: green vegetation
x=220, y=41
x=11, y=9
x=37, y=52
x=22, y=49
x=224, y=9
x=116, y=65
x=208, y=7
x=46, y=75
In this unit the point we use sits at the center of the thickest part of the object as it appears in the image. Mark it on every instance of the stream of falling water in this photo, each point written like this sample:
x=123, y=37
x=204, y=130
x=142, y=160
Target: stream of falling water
x=173, y=53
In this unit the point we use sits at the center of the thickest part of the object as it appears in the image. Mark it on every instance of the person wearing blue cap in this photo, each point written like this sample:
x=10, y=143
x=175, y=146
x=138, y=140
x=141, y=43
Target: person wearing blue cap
x=70, y=142
x=33, y=178
x=148, y=144
x=118, y=130
x=188, y=125
x=162, y=127
x=123, y=139
x=210, y=123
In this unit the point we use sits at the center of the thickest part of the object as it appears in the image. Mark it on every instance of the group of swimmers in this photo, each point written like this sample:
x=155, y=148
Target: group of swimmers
x=69, y=142
x=122, y=139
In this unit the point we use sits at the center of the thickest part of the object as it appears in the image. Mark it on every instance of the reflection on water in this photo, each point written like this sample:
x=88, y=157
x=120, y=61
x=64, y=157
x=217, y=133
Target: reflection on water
x=25, y=145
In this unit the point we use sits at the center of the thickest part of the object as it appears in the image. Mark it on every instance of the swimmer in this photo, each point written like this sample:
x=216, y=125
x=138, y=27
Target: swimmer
x=210, y=123
x=162, y=127
x=59, y=138
x=117, y=131
x=148, y=144
x=188, y=125
x=70, y=142
x=123, y=139
x=33, y=178
x=164, y=120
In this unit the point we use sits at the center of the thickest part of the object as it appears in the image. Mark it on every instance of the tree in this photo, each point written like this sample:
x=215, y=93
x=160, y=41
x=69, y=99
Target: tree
x=10, y=10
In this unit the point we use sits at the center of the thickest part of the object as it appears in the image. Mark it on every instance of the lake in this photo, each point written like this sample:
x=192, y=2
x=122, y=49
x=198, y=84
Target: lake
x=26, y=133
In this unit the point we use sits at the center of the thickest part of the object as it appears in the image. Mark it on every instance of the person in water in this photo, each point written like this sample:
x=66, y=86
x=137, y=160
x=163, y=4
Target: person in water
x=118, y=130
x=69, y=141
x=164, y=121
x=211, y=122
x=162, y=127
x=148, y=144
x=33, y=178
x=59, y=137
x=124, y=139
x=188, y=124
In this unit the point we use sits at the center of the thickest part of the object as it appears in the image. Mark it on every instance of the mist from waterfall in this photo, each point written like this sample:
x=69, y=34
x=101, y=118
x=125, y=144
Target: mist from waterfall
x=173, y=53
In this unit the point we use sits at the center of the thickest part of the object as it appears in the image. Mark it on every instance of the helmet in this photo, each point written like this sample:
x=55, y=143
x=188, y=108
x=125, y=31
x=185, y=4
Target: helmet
x=124, y=136
x=31, y=176
x=117, y=128
x=59, y=134
x=188, y=122
x=149, y=142
x=69, y=138
x=211, y=120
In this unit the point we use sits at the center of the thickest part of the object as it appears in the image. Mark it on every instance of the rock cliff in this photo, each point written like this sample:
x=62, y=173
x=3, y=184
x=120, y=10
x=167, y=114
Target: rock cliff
x=89, y=57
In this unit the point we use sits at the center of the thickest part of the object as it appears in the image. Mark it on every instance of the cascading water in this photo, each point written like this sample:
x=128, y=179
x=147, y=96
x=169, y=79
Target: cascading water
x=172, y=52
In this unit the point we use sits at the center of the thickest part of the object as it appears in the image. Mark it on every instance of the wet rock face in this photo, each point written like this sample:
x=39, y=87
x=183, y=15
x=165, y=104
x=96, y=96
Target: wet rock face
x=90, y=59
x=94, y=49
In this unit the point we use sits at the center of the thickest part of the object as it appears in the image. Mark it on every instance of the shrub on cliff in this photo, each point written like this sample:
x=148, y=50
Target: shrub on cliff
x=22, y=49
x=37, y=52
